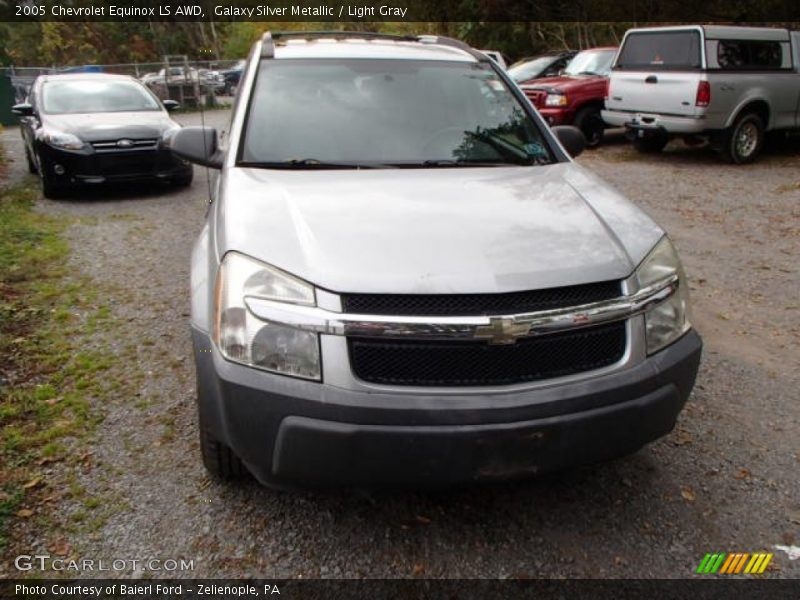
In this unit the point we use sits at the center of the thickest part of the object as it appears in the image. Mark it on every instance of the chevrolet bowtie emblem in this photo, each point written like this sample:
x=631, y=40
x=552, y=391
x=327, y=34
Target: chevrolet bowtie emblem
x=502, y=331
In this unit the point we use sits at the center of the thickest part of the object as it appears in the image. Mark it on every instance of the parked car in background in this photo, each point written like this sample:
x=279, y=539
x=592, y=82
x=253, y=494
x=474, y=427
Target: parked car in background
x=231, y=77
x=212, y=79
x=382, y=294
x=537, y=67
x=497, y=57
x=576, y=96
x=97, y=128
x=730, y=85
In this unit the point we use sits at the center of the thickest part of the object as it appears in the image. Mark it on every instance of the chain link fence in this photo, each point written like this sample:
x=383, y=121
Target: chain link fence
x=174, y=78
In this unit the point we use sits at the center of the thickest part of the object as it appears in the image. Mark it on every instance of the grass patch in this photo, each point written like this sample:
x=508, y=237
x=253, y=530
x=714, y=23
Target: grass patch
x=49, y=375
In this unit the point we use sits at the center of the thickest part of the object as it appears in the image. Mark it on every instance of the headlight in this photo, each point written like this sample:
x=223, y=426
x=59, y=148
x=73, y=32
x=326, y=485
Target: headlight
x=555, y=100
x=243, y=338
x=669, y=320
x=67, y=141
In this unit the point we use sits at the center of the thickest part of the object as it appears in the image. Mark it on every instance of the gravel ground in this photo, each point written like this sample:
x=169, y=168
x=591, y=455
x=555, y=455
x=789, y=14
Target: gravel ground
x=724, y=480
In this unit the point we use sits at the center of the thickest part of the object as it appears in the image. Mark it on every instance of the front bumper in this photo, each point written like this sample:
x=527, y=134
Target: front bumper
x=651, y=123
x=293, y=432
x=556, y=116
x=88, y=166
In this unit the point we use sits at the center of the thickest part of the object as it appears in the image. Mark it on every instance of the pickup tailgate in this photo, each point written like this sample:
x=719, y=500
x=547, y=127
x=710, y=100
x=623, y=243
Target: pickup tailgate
x=657, y=92
x=657, y=71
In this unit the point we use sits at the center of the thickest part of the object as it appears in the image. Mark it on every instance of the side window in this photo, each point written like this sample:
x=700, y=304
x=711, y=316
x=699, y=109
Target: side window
x=749, y=54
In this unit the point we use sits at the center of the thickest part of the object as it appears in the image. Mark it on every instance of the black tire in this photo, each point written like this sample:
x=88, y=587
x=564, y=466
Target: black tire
x=589, y=121
x=184, y=180
x=219, y=460
x=31, y=165
x=743, y=142
x=52, y=190
x=651, y=144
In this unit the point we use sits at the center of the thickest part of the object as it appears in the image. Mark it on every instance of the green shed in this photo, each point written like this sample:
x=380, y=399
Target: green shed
x=6, y=101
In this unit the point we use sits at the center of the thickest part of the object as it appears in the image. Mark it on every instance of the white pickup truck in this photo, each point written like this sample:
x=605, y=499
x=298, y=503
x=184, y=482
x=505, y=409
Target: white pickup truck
x=730, y=85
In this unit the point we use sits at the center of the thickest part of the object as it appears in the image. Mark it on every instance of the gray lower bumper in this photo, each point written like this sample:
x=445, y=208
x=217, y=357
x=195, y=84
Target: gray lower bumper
x=322, y=435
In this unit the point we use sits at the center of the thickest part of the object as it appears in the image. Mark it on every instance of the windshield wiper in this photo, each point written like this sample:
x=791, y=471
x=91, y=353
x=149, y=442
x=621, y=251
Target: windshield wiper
x=445, y=162
x=308, y=163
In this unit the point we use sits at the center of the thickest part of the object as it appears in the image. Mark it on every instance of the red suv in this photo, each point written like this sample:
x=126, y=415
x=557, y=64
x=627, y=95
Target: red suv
x=576, y=96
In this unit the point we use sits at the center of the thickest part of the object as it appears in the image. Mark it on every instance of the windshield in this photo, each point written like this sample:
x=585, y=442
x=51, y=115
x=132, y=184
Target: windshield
x=591, y=62
x=381, y=113
x=94, y=96
x=531, y=69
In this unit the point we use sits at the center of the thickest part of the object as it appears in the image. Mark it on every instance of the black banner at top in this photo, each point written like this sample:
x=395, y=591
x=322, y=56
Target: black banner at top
x=733, y=11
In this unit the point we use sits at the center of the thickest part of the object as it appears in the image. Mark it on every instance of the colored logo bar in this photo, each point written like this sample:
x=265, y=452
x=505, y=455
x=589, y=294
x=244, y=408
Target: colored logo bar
x=734, y=562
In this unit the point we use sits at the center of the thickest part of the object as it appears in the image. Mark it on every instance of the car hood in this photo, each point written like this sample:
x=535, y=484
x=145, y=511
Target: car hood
x=94, y=127
x=567, y=83
x=436, y=230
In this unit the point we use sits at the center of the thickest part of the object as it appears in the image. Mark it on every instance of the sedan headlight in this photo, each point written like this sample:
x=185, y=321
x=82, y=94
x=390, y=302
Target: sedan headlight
x=66, y=141
x=669, y=320
x=241, y=337
x=555, y=100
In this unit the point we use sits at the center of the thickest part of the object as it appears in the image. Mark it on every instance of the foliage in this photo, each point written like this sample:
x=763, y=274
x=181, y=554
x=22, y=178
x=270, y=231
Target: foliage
x=76, y=43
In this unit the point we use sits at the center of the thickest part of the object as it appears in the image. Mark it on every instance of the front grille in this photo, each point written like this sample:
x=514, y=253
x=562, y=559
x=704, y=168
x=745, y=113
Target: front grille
x=112, y=145
x=458, y=305
x=476, y=363
x=536, y=97
x=129, y=163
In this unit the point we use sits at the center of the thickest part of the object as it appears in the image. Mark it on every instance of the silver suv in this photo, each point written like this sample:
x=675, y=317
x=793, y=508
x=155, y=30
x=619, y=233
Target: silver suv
x=728, y=84
x=404, y=278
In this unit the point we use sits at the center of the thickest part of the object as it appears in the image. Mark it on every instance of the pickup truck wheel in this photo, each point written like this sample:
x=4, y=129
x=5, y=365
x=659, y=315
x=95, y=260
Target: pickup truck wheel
x=218, y=459
x=743, y=142
x=651, y=144
x=589, y=121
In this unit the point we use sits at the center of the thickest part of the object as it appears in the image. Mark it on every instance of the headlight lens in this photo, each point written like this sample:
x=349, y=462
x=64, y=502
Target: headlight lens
x=669, y=320
x=243, y=338
x=66, y=141
x=555, y=100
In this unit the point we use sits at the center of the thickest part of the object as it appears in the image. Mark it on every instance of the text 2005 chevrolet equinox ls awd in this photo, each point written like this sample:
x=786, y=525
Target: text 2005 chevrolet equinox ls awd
x=404, y=278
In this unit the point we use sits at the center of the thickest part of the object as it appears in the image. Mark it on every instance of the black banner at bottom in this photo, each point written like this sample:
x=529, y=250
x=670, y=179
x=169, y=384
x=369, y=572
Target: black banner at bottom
x=485, y=589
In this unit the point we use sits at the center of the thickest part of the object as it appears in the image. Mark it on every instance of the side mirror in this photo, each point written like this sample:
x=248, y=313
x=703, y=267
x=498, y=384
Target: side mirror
x=197, y=145
x=171, y=105
x=23, y=110
x=571, y=138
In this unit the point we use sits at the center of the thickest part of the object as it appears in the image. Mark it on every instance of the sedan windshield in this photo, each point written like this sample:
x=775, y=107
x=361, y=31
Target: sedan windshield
x=95, y=96
x=531, y=69
x=591, y=62
x=386, y=113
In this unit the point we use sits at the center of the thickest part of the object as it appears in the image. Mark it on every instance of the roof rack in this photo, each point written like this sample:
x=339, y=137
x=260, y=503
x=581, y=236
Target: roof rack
x=269, y=38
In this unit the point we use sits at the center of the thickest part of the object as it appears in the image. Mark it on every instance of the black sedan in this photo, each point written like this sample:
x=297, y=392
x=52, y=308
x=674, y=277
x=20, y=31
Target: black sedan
x=96, y=128
x=537, y=67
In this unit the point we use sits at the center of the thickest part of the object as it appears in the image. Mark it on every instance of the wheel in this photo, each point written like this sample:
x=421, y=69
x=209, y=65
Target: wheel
x=31, y=165
x=184, y=180
x=651, y=144
x=52, y=190
x=219, y=460
x=743, y=142
x=589, y=121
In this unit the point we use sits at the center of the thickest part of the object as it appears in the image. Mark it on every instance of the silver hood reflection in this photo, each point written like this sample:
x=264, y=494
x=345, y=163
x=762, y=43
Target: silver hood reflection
x=459, y=230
